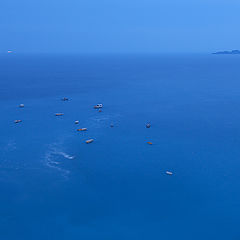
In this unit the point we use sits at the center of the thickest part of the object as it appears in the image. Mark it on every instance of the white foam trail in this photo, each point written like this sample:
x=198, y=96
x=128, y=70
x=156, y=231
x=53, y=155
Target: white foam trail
x=11, y=146
x=51, y=162
x=65, y=155
x=99, y=121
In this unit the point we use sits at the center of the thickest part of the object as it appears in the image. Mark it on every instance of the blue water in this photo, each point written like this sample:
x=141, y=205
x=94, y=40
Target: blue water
x=54, y=186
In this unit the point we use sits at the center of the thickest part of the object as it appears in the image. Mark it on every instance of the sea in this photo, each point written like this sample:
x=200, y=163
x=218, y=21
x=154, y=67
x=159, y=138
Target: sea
x=54, y=186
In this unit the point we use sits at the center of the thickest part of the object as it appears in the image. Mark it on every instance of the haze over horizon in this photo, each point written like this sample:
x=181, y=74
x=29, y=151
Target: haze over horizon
x=110, y=26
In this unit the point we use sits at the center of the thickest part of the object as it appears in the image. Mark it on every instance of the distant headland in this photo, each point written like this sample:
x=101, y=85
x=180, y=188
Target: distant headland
x=228, y=52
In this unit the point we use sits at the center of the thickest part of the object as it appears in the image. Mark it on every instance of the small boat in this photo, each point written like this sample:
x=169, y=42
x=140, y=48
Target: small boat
x=21, y=105
x=59, y=114
x=150, y=143
x=148, y=125
x=98, y=106
x=89, y=141
x=18, y=121
x=111, y=125
x=65, y=99
x=82, y=129
x=169, y=173
x=76, y=122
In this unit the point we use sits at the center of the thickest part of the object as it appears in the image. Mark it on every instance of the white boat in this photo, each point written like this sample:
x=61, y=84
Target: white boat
x=89, y=141
x=18, y=121
x=148, y=125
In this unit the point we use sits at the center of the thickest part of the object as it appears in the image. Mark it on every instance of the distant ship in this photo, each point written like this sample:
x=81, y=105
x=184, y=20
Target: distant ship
x=9, y=51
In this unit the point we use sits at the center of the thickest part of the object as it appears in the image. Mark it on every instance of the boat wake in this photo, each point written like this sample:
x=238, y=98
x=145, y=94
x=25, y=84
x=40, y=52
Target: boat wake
x=65, y=155
x=100, y=121
x=10, y=146
x=54, y=158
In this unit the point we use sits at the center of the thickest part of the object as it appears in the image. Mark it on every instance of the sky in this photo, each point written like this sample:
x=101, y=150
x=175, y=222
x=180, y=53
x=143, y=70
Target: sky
x=119, y=26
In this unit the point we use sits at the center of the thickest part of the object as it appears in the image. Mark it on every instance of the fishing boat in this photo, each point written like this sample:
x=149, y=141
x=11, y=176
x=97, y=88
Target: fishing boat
x=59, y=114
x=148, y=125
x=89, y=141
x=82, y=129
x=99, y=105
x=18, y=121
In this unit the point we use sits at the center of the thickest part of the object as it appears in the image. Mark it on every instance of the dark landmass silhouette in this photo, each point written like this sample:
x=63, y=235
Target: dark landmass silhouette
x=228, y=52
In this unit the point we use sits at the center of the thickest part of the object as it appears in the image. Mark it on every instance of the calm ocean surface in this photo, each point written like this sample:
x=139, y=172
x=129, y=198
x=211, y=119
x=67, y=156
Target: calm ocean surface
x=56, y=187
